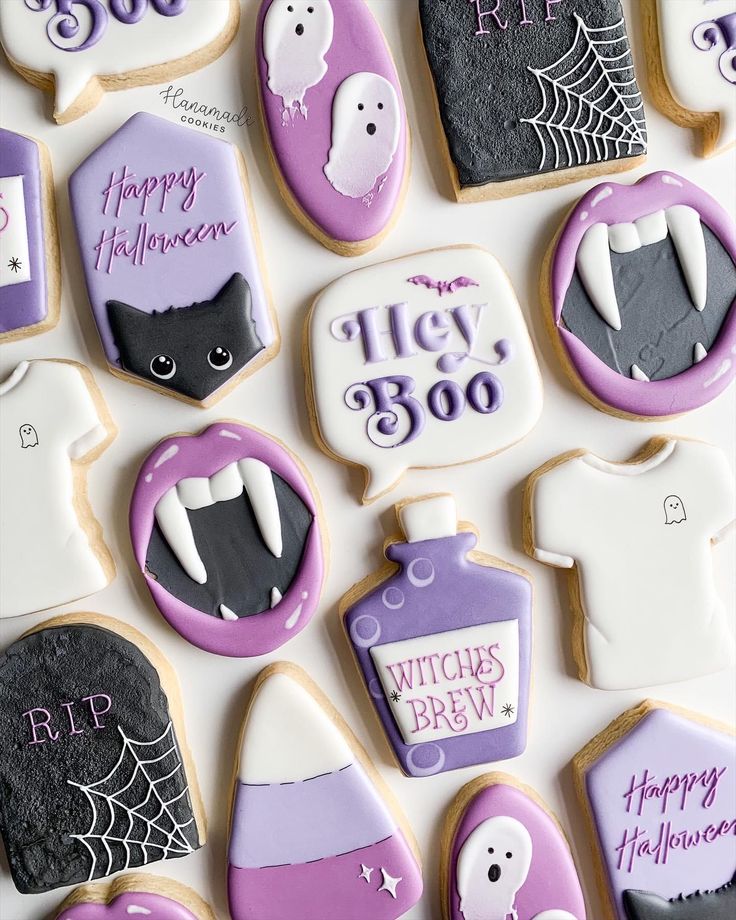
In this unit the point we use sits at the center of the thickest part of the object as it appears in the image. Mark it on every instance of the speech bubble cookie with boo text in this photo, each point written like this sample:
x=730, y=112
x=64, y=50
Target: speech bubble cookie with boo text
x=421, y=362
x=80, y=48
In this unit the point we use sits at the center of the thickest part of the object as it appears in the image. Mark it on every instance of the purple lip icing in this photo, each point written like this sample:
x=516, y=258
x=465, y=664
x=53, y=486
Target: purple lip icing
x=613, y=204
x=196, y=458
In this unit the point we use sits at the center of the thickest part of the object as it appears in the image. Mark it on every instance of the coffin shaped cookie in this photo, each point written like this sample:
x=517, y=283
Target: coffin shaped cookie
x=314, y=833
x=505, y=855
x=226, y=529
x=334, y=117
x=29, y=247
x=95, y=774
x=659, y=789
x=640, y=290
x=172, y=259
x=148, y=897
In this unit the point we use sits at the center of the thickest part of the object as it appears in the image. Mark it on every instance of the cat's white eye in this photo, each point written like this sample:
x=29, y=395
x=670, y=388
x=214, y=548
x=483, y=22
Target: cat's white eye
x=220, y=358
x=163, y=367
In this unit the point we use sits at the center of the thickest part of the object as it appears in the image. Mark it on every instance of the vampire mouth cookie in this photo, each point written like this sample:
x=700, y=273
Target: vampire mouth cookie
x=149, y=897
x=442, y=637
x=30, y=281
x=424, y=361
x=95, y=773
x=80, y=50
x=226, y=528
x=636, y=537
x=532, y=94
x=659, y=793
x=334, y=118
x=315, y=832
x=55, y=424
x=639, y=294
x=172, y=260
x=504, y=854
x=691, y=56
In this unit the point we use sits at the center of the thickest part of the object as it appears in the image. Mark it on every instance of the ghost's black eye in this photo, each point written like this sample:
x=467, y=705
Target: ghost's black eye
x=290, y=8
x=509, y=855
x=163, y=367
x=360, y=106
x=380, y=105
x=310, y=9
x=490, y=849
x=220, y=358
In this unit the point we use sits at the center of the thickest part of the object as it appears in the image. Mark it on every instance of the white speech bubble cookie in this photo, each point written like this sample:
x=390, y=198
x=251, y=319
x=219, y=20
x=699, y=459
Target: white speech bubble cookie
x=693, y=76
x=421, y=362
x=80, y=48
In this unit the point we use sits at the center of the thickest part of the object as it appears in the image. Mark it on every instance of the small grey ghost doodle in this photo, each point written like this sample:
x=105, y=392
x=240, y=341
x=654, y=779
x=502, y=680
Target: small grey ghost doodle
x=28, y=436
x=674, y=510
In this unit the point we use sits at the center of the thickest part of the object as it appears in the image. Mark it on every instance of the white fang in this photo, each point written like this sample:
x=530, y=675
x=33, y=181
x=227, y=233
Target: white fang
x=275, y=597
x=638, y=374
x=226, y=613
x=259, y=485
x=699, y=353
x=171, y=517
x=687, y=235
x=593, y=262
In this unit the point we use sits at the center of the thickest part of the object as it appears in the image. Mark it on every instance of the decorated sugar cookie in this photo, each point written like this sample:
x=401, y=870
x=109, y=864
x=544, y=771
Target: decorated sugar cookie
x=172, y=259
x=532, y=94
x=54, y=425
x=95, y=774
x=639, y=293
x=226, y=529
x=442, y=637
x=659, y=791
x=335, y=119
x=420, y=362
x=30, y=283
x=504, y=855
x=80, y=49
x=314, y=832
x=148, y=897
x=691, y=54
x=636, y=536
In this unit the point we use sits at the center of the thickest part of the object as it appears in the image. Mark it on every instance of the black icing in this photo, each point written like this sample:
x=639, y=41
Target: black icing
x=151, y=344
x=485, y=88
x=659, y=324
x=39, y=809
x=706, y=905
x=241, y=570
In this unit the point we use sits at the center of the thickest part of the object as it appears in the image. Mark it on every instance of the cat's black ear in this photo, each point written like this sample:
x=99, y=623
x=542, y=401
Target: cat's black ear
x=124, y=318
x=642, y=905
x=235, y=294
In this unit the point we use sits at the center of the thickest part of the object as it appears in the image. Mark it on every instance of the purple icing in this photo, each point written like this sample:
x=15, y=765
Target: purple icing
x=193, y=270
x=301, y=148
x=704, y=380
x=25, y=304
x=689, y=773
x=203, y=455
x=552, y=882
x=437, y=590
x=156, y=907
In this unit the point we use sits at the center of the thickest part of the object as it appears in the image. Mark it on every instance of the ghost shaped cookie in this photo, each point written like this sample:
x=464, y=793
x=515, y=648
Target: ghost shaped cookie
x=505, y=855
x=149, y=897
x=334, y=118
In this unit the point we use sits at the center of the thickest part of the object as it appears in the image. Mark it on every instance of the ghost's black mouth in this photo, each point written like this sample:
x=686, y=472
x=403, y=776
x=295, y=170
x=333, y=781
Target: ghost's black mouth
x=649, y=297
x=370, y=128
x=494, y=873
x=299, y=29
x=231, y=545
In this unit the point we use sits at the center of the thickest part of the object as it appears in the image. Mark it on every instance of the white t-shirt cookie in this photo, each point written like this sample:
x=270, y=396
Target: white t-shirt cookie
x=48, y=419
x=639, y=535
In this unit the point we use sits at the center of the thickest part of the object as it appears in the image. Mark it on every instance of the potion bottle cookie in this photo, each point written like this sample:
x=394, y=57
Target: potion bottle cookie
x=442, y=636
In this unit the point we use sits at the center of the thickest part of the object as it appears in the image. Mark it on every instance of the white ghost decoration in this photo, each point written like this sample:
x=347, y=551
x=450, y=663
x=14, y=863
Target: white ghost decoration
x=674, y=510
x=28, y=436
x=366, y=124
x=297, y=34
x=492, y=866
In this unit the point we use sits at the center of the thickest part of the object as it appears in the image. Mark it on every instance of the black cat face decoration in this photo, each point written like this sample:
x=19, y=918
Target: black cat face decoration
x=701, y=905
x=191, y=350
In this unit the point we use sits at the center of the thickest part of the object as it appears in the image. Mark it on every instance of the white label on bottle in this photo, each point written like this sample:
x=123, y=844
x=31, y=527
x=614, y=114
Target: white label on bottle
x=452, y=683
x=15, y=265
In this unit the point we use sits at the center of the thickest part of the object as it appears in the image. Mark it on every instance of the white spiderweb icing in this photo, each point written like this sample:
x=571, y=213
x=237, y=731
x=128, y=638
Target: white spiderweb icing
x=141, y=811
x=591, y=106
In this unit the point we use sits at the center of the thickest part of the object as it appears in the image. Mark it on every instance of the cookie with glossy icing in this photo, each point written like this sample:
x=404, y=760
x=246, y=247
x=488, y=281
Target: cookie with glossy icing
x=149, y=897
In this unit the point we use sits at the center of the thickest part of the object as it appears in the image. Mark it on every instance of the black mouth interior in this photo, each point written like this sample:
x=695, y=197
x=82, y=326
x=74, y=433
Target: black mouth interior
x=659, y=323
x=241, y=570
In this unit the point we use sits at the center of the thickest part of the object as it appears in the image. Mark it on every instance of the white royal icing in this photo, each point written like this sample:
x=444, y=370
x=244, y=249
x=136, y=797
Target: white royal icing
x=48, y=418
x=699, y=65
x=640, y=536
x=15, y=263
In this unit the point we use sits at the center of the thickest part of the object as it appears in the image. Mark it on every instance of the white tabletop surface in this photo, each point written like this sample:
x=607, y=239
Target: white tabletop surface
x=564, y=712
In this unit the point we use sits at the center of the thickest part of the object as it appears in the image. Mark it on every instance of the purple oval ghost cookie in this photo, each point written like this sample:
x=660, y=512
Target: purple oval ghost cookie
x=172, y=259
x=334, y=117
x=505, y=856
x=226, y=530
x=641, y=297
x=30, y=285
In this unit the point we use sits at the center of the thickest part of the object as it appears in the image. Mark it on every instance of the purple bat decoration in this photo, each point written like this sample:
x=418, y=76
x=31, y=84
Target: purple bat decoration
x=443, y=287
